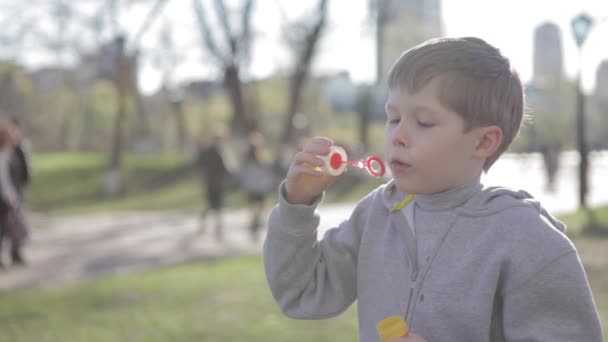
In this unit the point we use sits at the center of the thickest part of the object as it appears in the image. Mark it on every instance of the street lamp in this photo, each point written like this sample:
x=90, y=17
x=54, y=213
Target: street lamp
x=581, y=26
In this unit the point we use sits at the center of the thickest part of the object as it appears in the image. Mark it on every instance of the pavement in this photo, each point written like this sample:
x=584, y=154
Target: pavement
x=68, y=249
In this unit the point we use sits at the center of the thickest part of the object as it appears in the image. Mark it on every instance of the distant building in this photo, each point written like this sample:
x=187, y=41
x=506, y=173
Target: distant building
x=601, y=85
x=407, y=23
x=548, y=54
x=341, y=92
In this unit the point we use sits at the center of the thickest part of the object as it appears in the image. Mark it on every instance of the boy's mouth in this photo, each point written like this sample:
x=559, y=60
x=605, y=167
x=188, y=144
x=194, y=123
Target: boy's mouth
x=399, y=165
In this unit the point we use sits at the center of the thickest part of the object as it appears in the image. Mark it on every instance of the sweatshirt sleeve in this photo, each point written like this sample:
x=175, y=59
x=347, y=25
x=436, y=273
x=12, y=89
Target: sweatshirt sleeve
x=310, y=279
x=554, y=305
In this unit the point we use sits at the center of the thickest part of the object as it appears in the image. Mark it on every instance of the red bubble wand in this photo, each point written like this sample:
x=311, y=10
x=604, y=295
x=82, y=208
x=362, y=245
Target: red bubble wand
x=336, y=161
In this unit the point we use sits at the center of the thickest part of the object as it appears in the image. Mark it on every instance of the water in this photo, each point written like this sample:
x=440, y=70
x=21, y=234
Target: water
x=526, y=171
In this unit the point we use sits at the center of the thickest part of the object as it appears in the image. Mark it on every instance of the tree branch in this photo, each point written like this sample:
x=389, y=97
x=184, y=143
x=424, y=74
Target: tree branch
x=205, y=32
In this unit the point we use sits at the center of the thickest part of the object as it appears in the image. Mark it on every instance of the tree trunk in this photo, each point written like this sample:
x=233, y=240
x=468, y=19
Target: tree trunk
x=240, y=122
x=180, y=121
x=299, y=78
x=295, y=97
x=364, y=107
x=113, y=183
x=581, y=144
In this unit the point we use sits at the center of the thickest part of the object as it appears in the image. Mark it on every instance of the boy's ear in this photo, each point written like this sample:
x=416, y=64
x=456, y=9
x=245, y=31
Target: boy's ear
x=489, y=140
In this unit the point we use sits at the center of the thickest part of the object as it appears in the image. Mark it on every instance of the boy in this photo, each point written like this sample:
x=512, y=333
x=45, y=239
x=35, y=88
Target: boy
x=461, y=262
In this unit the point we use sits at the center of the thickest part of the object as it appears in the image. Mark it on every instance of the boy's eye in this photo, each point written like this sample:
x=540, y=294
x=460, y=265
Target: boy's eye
x=393, y=121
x=424, y=124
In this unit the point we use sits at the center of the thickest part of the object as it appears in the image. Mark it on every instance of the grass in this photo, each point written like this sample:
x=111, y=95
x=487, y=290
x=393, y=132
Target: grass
x=226, y=300
x=592, y=222
x=72, y=183
x=221, y=300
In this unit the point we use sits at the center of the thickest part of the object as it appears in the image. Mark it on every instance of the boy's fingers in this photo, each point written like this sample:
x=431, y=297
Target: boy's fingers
x=321, y=141
x=307, y=158
x=303, y=169
x=319, y=149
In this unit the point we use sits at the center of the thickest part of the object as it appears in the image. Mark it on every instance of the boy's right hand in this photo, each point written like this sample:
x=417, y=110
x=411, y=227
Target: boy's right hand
x=305, y=180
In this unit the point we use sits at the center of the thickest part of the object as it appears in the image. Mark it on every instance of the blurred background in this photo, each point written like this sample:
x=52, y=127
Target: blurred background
x=157, y=130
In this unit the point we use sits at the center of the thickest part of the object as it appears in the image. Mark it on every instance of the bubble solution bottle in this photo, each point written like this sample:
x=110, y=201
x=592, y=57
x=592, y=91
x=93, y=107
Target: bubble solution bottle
x=391, y=328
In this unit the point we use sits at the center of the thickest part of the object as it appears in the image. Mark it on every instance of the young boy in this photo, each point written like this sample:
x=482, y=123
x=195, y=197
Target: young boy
x=461, y=262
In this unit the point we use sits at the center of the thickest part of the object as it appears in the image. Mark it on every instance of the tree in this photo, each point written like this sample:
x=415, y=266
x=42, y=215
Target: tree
x=68, y=35
x=50, y=27
x=304, y=37
x=168, y=59
x=124, y=77
x=232, y=56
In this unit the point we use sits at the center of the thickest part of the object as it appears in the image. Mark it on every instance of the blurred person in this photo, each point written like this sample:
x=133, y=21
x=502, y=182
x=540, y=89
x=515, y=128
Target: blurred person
x=281, y=162
x=12, y=227
x=459, y=261
x=257, y=180
x=550, y=152
x=20, y=161
x=214, y=176
x=20, y=167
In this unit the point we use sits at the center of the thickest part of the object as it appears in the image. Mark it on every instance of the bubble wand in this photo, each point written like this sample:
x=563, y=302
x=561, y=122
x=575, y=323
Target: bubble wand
x=336, y=161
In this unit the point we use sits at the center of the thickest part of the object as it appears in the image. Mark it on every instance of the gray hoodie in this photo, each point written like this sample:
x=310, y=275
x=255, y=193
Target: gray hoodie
x=484, y=264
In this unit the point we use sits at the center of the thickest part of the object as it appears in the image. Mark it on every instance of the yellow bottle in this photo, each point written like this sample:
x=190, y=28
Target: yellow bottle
x=391, y=328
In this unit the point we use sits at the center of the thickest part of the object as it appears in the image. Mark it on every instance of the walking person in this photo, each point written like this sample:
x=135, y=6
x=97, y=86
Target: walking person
x=214, y=174
x=257, y=180
x=20, y=161
x=550, y=152
x=12, y=227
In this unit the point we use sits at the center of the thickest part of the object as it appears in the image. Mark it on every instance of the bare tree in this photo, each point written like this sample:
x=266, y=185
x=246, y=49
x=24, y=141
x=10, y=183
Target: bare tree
x=168, y=58
x=48, y=26
x=232, y=57
x=305, y=37
x=125, y=79
x=68, y=38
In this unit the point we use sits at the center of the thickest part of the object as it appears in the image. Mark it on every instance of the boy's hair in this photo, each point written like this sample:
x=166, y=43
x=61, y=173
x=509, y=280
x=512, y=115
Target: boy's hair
x=477, y=82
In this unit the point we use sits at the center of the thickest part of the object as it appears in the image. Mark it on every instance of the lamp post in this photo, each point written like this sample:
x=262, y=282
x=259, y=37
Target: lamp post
x=581, y=25
x=176, y=99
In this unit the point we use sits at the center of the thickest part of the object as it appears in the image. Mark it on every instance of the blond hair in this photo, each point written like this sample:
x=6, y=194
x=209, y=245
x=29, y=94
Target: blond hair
x=477, y=82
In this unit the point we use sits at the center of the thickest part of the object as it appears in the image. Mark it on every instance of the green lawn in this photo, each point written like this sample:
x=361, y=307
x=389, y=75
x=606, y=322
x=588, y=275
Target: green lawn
x=226, y=300
x=69, y=183
x=220, y=300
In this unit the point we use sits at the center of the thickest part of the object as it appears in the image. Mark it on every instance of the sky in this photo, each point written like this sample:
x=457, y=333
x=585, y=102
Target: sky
x=349, y=45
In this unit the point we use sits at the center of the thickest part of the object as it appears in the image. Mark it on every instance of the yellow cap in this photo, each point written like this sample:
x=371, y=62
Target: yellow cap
x=391, y=328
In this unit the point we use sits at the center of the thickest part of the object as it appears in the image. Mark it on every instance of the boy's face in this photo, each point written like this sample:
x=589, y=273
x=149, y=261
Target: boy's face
x=425, y=143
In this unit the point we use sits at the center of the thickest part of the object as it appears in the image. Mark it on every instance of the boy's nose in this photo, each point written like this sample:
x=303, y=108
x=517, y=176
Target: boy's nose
x=400, y=136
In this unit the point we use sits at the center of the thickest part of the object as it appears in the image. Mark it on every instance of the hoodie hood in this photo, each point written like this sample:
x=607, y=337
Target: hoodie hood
x=474, y=199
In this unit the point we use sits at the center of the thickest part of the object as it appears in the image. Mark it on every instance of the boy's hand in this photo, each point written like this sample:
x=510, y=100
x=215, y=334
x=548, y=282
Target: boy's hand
x=304, y=179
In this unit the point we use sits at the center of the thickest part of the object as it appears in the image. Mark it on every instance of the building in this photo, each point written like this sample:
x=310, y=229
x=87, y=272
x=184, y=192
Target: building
x=548, y=54
x=341, y=93
x=601, y=85
x=403, y=24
